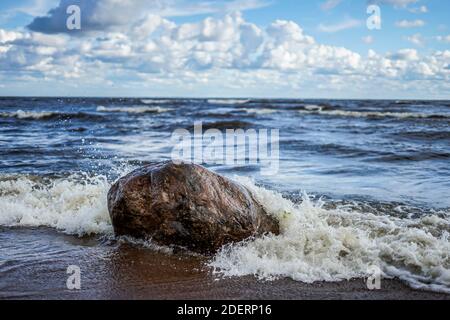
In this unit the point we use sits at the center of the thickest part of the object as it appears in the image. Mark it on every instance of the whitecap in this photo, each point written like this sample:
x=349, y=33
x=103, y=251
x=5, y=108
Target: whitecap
x=156, y=101
x=20, y=114
x=260, y=111
x=228, y=101
x=314, y=109
x=134, y=109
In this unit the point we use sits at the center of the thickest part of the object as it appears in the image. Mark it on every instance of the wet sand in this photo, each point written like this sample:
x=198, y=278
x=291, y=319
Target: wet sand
x=33, y=265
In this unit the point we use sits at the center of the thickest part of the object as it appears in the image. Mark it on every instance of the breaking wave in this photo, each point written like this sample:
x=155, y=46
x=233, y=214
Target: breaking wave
x=157, y=101
x=46, y=115
x=320, y=110
x=74, y=205
x=316, y=243
x=258, y=111
x=228, y=101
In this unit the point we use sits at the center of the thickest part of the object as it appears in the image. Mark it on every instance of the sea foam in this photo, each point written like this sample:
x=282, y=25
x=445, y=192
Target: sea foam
x=134, y=109
x=228, y=101
x=74, y=205
x=318, y=244
x=157, y=101
x=260, y=111
x=315, y=109
x=315, y=244
x=20, y=114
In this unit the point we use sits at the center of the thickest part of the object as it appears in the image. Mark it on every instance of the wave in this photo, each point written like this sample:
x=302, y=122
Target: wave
x=315, y=109
x=47, y=115
x=135, y=109
x=317, y=242
x=157, y=101
x=228, y=101
x=259, y=111
x=20, y=114
x=74, y=205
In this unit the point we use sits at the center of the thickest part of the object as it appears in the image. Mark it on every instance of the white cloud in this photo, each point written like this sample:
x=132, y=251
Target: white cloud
x=330, y=4
x=101, y=15
x=8, y=36
x=410, y=23
x=368, y=39
x=421, y=9
x=416, y=39
x=395, y=3
x=445, y=39
x=405, y=55
x=227, y=52
x=344, y=25
x=36, y=7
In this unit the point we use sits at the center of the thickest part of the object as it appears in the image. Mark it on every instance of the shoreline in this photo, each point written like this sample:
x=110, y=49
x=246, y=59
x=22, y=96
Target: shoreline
x=124, y=271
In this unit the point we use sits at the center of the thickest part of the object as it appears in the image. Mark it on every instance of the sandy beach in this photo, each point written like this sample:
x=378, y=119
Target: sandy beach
x=111, y=270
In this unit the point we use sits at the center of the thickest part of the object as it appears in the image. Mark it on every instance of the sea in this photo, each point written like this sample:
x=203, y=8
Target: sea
x=361, y=185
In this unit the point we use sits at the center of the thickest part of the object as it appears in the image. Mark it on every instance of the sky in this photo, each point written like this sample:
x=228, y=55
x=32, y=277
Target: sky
x=227, y=48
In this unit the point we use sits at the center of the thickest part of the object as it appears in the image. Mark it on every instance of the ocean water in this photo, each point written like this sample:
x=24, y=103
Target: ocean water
x=360, y=184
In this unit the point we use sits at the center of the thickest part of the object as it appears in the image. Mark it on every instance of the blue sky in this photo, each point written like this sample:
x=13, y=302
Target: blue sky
x=273, y=48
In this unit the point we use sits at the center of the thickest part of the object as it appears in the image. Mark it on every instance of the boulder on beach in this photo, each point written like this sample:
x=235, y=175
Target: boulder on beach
x=186, y=205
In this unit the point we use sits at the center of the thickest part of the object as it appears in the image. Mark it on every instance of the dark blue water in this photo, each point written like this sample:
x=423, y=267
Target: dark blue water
x=385, y=151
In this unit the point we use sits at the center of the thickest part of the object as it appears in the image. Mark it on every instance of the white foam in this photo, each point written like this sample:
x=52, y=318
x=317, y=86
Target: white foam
x=20, y=114
x=258, y=110
x=317, y=244
x=135, y=109
x=228, y=101
x=156, y=101
x=75, y=205
x=314, y=109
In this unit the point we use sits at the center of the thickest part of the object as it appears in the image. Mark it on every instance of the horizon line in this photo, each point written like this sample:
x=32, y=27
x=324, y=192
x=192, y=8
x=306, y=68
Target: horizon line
x=218, y=97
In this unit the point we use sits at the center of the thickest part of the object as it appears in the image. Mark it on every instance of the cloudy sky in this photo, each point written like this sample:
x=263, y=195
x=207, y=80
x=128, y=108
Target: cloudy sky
x=226, y=48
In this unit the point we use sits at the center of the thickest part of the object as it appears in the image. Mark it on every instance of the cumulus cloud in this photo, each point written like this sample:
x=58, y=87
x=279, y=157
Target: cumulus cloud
x=416, y=39
x=101, y=15
x=405, y=55
x=226, y=50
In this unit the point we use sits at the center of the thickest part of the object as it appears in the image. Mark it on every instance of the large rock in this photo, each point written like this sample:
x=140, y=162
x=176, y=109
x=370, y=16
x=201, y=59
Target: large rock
x=186, y=205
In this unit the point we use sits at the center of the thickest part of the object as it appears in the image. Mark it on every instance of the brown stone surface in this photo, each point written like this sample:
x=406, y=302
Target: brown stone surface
x=186, y=205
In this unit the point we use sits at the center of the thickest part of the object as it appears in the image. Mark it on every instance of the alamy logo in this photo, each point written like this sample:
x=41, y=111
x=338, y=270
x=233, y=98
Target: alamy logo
x=374, y=20
x=237, y=147
x=74, y=280
x=374, y=279
x=73, y=22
